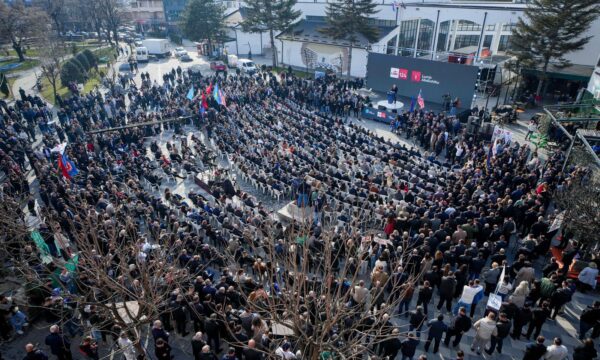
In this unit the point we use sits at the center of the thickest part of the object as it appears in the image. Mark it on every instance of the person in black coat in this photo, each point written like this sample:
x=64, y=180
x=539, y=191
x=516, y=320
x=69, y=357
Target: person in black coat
x=409, y=346
x=503, y=329
x=158, y=332
x=460, y=325
x=437, y=328
x=586, y=351
x=213, y=332
x=416, y=320
x=33, y=353
x=446, y=291
x=250, y=353
x=424, y=296
x=522, y=318
x=539, y=316
x=59, y=344
x=162, y=349
x=390, y=347
x=535, y=350
x=197, y=345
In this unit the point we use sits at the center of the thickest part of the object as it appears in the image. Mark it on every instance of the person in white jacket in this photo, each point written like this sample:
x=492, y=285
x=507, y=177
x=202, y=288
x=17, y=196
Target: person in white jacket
x=126, y=346
x=556, y=351
x=485, y=328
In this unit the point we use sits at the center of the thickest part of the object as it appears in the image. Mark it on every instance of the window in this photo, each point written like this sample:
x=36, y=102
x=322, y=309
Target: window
x=465, y=25
x=508, y=27
x=391, y=46
x=487, y=41
x=504, y=43
x=466, y=40
x=490, y=27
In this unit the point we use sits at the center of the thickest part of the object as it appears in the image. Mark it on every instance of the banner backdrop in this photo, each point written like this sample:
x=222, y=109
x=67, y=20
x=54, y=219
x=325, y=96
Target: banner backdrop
x=433, y=78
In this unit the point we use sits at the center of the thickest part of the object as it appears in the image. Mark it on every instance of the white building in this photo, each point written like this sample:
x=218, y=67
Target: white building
x=146, y=14
x=244, y=43
x=437, y=29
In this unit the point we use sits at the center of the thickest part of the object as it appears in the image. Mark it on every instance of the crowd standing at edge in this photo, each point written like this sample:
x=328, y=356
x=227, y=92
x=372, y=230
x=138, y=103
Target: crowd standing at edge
x=465, y=215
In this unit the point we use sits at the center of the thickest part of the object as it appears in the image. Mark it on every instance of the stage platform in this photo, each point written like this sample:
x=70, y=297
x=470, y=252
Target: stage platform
x=292, y=213
x=398, y=105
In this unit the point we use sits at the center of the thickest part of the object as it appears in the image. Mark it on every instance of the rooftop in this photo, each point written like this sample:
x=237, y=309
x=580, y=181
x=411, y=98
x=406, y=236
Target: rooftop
x=307, y=30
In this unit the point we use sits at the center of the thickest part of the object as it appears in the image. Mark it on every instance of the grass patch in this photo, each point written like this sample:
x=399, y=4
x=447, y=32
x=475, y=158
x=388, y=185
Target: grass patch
x=33, y=52
x=64, y=92
x=297, y=73
x=107, y=53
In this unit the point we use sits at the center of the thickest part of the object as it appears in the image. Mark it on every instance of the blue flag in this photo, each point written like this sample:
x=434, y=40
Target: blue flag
x=190, y=94
x=67, y=166
x=412, y=103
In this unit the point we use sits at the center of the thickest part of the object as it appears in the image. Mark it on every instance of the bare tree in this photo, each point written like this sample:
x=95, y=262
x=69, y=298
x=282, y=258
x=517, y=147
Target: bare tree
x=112, y=15
x=20, y=24
x=310, y=288
x=580, y=201
x=52, y=53
x=100, y=262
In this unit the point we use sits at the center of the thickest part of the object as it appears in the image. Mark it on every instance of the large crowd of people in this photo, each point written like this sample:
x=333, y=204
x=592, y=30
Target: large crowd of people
x=434, y=231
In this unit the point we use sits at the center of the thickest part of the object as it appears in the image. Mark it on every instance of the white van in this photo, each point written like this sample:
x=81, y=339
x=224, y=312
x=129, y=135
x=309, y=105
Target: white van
x=141, y=54
x=246, y=66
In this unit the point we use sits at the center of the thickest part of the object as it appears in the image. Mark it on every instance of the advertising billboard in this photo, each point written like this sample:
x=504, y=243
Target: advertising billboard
x=432, y=78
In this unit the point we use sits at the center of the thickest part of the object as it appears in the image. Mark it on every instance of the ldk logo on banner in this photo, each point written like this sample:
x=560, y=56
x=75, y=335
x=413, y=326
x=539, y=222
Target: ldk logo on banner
x=415, y=76
x=401, y=74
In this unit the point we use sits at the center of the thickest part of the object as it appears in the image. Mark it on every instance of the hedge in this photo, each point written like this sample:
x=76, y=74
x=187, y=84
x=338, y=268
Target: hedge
x=71, y=72
x=82, y=59
x=91, y=58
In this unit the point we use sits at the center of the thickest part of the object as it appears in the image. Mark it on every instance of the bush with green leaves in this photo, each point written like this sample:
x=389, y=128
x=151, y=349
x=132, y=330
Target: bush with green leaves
x=71, y=72
x=91, y=58
x=82, y=59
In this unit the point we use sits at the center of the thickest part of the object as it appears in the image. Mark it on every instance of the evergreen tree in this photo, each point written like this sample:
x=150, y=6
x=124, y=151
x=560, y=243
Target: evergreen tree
x=348, y=19
x=203, y=20
x=549, y=30
x=271, y=16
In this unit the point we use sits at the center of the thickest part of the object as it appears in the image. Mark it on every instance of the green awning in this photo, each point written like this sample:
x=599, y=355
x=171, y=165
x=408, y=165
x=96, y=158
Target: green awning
x=573, y=72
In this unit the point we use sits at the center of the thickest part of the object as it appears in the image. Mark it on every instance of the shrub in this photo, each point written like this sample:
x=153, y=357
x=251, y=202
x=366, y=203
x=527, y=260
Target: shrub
x=91, y=58
x=71, y=72
x=82, y=59
x=76, y=62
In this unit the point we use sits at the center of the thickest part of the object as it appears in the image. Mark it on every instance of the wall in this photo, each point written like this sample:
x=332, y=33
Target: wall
x=294, y=54
x=497, y=13
x=258, y=42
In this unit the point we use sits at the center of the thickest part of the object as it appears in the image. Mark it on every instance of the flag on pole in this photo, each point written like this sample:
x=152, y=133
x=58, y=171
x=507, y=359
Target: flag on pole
x=219, y=96
x=60, y=148
x=67, y=167
x=190, y=94
x=412, y=103
x=398, y=4
x=488, y=164
x=420, y=100
x=204, y=102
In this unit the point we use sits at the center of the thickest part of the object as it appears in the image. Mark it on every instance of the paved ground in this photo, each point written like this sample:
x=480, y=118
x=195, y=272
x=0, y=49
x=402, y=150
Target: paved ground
x=565, y=326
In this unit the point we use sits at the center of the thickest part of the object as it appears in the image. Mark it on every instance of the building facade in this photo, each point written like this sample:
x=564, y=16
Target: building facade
x=439, y=29
x=147, y=14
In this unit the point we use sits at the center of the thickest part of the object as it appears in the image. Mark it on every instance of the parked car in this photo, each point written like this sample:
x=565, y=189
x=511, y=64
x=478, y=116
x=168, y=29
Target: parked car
x=185, y=58
x=180, y=51
x=246, y=66
x=125, y=70
x=218, y=66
